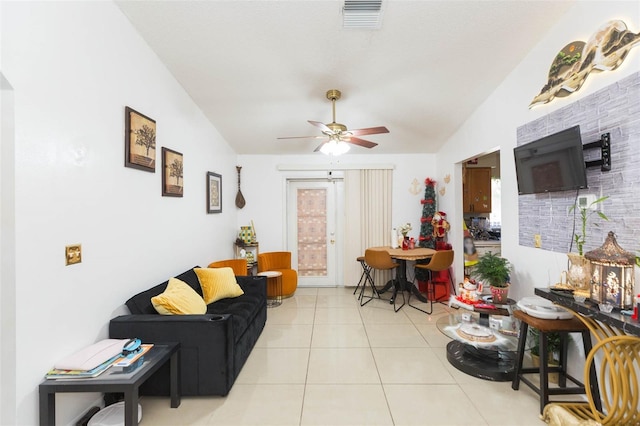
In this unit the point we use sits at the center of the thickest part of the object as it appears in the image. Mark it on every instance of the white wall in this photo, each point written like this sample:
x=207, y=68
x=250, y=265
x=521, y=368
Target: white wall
x=74, y=66
x=7, y=256
x=495, y=122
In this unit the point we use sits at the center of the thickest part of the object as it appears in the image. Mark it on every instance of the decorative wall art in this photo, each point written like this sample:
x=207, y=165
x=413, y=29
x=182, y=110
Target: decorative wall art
x=139, y=141
x=214, y=193
x=414, y=189
x=604, y=51
x=172, y=173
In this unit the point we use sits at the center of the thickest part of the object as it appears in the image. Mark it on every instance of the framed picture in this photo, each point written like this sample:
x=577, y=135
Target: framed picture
x=172, y=176
x=139, y=141
x=214, y=193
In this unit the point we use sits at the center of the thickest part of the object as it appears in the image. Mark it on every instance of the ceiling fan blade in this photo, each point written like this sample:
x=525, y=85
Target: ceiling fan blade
x=318, y=147
x=361, y=142
x=369, y=131
x=320, y=125
x=303, y=137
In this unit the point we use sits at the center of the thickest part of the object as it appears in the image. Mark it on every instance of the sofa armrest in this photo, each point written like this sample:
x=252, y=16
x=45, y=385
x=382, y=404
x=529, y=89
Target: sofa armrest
x=206, y=346
x=171, y=318
x=186, y=329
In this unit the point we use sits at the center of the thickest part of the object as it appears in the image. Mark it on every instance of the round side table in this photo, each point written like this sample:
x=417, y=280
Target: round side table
x=274, y=287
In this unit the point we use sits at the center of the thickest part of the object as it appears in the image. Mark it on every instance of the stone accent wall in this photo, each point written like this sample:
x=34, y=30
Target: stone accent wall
x=614, y=109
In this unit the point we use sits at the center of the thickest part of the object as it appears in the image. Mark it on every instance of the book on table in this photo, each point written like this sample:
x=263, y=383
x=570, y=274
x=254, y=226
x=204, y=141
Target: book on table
x=116, y=361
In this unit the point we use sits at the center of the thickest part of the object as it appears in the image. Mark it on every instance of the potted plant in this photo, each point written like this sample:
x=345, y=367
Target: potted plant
x=554, y=345
x=494, y=270
x=579, y=272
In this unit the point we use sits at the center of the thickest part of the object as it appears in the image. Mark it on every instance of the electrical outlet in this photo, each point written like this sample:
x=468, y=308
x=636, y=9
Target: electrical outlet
x=73, y=254
x=586, y=201
x=537, y=240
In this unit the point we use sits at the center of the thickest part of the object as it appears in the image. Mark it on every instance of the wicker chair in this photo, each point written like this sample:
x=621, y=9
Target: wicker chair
x=618, y=385
x=280, y=261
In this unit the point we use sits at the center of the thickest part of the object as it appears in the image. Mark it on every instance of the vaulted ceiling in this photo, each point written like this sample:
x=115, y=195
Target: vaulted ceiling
x=260, y=69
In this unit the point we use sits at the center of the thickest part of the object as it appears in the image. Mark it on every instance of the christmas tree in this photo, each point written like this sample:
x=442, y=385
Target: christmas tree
x=426, y=228
x=428, y=210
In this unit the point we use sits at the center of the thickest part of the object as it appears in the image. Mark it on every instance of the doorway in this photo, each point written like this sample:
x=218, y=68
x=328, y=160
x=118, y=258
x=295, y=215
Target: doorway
x=482, y=206
x=315, y=230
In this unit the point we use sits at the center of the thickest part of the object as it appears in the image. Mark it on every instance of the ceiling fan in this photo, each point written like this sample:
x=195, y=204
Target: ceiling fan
x=337, y=135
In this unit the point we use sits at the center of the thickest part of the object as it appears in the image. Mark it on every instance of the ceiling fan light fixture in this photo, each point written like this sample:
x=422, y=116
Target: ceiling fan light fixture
x=335, y=148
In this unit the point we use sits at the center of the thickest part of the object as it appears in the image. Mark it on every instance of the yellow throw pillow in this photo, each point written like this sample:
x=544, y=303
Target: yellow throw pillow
x=179, y=299
x=218, y=283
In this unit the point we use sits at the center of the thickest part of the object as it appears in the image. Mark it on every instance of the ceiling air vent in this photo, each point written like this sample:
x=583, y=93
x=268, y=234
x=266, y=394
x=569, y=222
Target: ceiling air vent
x=362, y=14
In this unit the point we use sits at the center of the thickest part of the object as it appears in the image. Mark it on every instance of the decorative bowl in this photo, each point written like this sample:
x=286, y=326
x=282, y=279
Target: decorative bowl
x=605, y=307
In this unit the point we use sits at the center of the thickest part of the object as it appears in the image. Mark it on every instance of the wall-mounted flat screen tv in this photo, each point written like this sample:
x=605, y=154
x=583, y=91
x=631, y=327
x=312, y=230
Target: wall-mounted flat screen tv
x=553, y=163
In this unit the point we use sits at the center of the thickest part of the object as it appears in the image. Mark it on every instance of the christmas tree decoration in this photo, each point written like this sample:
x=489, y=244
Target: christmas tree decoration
x=428, y=211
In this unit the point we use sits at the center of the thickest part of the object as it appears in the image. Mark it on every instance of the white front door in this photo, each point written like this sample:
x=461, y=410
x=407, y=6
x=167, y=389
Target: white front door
x=315, y=217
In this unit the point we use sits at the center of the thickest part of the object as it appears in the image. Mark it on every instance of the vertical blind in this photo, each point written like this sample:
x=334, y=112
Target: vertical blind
x=368, y=195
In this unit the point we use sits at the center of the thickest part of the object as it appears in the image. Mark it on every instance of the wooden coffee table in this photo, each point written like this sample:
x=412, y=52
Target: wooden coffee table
x=114, y=380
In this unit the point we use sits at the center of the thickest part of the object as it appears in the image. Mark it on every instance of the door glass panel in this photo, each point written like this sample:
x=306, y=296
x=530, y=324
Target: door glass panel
x=312, y=232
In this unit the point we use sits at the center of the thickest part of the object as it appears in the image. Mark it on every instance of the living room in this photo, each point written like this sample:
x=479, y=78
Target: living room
x=68, y=69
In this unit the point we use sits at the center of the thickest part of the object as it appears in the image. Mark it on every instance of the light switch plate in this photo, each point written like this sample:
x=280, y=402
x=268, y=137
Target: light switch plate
x=73, y=254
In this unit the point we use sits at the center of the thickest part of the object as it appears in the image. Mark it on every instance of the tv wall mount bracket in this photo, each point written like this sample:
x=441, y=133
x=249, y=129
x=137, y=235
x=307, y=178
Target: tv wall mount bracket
x=605, y=152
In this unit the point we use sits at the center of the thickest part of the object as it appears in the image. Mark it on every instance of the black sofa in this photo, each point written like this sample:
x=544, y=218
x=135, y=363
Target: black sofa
x=214, y=346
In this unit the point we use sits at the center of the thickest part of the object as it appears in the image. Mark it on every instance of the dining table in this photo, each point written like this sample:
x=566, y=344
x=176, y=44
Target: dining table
x=403, y=257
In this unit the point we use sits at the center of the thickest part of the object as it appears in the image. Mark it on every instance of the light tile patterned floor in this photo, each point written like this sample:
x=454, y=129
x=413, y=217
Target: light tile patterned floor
x=324, y=360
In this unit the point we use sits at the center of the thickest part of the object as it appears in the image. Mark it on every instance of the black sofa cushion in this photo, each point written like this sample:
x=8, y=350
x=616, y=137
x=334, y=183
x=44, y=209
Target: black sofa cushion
x=141, y=302
x=243, y=309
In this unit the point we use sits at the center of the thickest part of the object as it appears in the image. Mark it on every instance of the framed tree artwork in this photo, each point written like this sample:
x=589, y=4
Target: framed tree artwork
x=214, y=193
x=139, y=141
x=172, y=173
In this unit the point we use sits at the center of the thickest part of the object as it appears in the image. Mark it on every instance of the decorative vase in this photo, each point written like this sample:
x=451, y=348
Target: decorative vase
x=579, y=274
x=553, y=377
x=405, y=243
x=246, y=234
x=500, y=295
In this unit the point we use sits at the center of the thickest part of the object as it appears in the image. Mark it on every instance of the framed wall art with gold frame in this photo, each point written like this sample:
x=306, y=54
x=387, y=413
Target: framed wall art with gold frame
x=139, y=141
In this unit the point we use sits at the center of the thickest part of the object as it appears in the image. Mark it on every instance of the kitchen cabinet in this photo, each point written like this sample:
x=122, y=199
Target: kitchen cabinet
x=476, y=193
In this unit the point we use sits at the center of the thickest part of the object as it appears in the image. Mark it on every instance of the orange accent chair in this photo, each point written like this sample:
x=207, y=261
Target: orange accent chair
x=239, y=266
x=280, y=261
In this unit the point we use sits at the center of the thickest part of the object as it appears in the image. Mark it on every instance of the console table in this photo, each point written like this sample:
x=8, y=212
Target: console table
x=116, y=381
x=587, y=308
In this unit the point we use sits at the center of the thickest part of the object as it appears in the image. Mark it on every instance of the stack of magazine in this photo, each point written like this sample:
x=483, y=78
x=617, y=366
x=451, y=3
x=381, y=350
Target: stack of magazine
x=128, y=364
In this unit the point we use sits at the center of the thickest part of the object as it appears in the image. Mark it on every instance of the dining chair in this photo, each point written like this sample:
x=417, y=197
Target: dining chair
x=440, y=261
x=379, y=260
x=363, y=277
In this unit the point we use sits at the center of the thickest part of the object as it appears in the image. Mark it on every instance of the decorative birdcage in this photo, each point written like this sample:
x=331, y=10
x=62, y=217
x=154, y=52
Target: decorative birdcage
x=612, y=274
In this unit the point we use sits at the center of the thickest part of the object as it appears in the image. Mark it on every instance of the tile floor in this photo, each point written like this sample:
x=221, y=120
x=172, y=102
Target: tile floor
x=324, y=360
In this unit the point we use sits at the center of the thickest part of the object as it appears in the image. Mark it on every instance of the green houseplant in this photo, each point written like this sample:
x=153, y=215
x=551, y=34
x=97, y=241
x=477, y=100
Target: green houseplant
x=585, y=214
x=554, y=345
x=579, y=271
x=494, y=270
